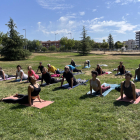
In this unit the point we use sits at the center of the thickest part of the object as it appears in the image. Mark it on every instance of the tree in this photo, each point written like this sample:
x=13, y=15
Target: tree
x=52, y=48
x=70, y=44
x=119, y=45
x=97, y=45
x=126, y=46
x=64, y=41
x=13, y=44
x=77, y=44
x=104, y=45
x=110, y=41
x=84, y=48
x=43, y=49
x=91, y=42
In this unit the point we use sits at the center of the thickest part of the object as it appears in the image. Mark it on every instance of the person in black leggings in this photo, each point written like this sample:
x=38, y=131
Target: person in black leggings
x=33, y=93
x=47, y=77
x=121, y=68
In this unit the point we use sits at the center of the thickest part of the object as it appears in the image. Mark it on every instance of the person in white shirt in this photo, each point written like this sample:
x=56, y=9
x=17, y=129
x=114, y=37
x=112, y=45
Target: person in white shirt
x=21, y=74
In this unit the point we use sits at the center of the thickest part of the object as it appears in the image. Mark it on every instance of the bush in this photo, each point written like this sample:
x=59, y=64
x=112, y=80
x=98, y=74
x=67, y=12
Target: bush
x=44, y=49
x=62, y=48
x=52, y=48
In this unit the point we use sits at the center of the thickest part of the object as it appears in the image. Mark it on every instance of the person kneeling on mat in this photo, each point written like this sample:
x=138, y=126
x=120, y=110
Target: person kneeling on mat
x=33, y=93
x=99, y=69
x=128, y=87
x=72, y=63
x=87, y=62
x=4, y=76
x=69, y=77
x=73, y=69
x=95, y=84
x=21, y=73
x=121, y=68
x=137, y=73
x=32, y=73
x=53, y=69
x=47, y=77
x=40, y=67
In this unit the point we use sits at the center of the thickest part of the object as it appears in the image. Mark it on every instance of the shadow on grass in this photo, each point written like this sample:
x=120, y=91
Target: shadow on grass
x=87, y=96
x=120, y=103
x=19, y=107
x=127, y=54
x=58, y=88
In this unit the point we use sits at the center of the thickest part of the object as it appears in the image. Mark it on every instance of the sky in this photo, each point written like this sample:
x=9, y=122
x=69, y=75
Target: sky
x=53, y=19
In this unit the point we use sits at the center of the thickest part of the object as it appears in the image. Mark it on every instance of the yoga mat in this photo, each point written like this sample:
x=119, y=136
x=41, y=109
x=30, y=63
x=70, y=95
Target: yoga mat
x=104, y=65
x=78, y=73
x=55, y=75
x=122, y=74
x=7, y=78
x=109, y=72
x=136, y=80
x=66, y=86
x=112, y=87
x=36, y=102
x=18, y=80
x=125, y=99
x=87, y=67
x=77, y=65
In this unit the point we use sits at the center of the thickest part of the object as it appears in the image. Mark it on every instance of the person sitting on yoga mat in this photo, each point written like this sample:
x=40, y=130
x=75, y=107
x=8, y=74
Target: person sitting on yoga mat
x=121, y=68
x=137, y=73
x=21, y=74
x=33, y=93
x=95, y=84
x=99, y=69
x=4, y=76
x=32, y=73
x=128, y=88
x=47, y=77
x=87, y=62
x=69, y=77
x=40, y=67
x=72, y=63
x=53, y=69
x=73, y=69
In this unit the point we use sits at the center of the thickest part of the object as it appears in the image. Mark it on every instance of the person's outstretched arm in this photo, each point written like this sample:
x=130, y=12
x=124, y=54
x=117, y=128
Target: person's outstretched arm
x=42, y=79
x=29, y=95
x=118, y=69
x=71, y=82
x=21, y=76
x=124, y=69
x=101, y=70
x=39, y=98
x=100, y=87
x=37, y=70
x=121, y=90
x=133, y=90
x=3, y=75
x=16, y=76
x=135, y=75
x=62, y=81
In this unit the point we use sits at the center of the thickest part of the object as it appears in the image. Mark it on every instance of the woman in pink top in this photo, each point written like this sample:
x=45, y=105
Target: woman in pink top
x=32, y=73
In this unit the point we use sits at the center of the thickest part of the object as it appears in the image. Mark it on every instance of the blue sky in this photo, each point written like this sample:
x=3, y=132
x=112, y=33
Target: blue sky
x=42, y=19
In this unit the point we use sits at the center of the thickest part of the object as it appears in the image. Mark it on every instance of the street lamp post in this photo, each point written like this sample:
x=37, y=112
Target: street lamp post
x=55, y=41
x=25, y=39
x=71, y=38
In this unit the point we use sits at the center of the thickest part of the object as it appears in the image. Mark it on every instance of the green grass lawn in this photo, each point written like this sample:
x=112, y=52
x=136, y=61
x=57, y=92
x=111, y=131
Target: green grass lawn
x=73, y=115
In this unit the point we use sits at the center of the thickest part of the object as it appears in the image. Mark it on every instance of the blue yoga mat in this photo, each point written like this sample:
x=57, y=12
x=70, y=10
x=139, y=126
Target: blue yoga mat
x=112, y=87
x=67, y=85
x=18, y=80
x=77, y=65
x=136, y=80
x=87, y=67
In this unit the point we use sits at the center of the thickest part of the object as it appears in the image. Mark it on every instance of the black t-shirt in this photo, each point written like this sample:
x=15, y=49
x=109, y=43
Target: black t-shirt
x=73, y=63
x=46, y=77
x=68, y=77
x=41, y=68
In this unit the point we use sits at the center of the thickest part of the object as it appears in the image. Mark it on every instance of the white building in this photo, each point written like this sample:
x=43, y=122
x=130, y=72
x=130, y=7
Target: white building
x=130, y=43
x=138, y=38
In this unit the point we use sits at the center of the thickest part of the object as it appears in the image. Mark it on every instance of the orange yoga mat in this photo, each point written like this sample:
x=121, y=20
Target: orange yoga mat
x=36, y=102
x=125, y=99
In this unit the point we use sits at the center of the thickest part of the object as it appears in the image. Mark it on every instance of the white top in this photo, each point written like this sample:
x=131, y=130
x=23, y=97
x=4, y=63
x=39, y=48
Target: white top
x=94, y=84
x=25, y=76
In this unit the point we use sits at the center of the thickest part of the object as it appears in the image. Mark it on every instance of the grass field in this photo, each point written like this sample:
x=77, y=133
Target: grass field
x=73, y=115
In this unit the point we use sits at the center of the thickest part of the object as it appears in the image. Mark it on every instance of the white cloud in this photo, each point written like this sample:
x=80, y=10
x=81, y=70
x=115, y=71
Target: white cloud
x=139, y=13
x=82, y=13
x=94, y=10
x=54, y=4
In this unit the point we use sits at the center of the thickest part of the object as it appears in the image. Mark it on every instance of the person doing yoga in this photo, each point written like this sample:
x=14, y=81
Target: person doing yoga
x=69, y=77
x=99, y=69
x=137, y=73
x=40, y=67
x=47, y=77
x=95, y=84
x=128, y=88
x=72, y=63
x=21, y=74
x=32, y=73
x=53, y=69
x=73, y=69
x=5, y=76
x=33, y=93
x=121, y=68
x=87, y=62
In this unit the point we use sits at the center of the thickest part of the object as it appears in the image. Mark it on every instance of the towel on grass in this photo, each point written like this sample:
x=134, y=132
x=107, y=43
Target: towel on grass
x=104, y=65
x=7, y=78
x=36, y=102
x=55, y=75
x=87, y=67
x=109, y=72
x=112, y=87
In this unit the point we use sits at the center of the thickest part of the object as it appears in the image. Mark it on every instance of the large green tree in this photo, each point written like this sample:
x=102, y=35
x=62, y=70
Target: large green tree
x=13, y=44
x=119, y=45
x=104, y=45
x=84, y=48
x=110, y=42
